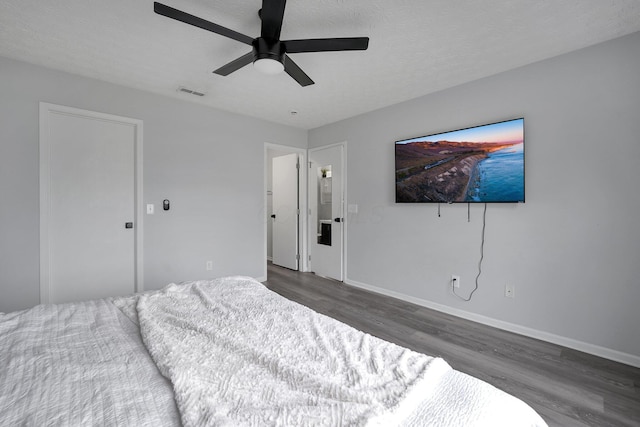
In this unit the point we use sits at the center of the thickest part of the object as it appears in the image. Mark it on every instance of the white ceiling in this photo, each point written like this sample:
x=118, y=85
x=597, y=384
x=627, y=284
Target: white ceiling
x=416, y=47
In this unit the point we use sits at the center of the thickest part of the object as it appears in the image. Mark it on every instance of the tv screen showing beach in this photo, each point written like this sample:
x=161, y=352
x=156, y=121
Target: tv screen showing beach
x=483, y=164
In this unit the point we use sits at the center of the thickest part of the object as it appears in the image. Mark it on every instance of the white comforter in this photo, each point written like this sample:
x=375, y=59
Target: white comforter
x=80, y=364
x=235, y=354
x=242, y=355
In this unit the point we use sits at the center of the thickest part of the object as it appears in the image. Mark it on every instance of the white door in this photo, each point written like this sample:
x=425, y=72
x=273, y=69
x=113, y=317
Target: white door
x=88, y=211
x=326, y=208
x=285, y=211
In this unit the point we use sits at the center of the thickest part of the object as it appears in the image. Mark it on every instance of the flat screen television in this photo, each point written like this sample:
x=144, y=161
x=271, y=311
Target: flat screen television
x=480, y=164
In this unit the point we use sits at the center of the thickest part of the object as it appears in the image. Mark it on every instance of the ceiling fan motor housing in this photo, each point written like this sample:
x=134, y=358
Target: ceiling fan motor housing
x=266, y=49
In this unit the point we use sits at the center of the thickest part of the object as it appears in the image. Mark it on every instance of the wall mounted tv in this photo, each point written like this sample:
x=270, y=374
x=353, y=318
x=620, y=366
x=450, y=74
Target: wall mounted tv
x=483, y=164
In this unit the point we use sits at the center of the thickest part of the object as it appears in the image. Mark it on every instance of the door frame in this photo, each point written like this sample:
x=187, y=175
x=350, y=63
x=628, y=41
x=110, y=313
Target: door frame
x=303, y=264
x=285, y=215
x=343, y=189
x=46, y=110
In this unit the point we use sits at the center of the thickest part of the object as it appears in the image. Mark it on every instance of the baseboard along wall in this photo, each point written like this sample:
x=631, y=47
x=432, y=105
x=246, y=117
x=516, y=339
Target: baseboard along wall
x=595, y=350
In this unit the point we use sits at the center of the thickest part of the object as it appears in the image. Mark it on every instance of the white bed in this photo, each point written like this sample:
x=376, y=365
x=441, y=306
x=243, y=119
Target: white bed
x=226, y=352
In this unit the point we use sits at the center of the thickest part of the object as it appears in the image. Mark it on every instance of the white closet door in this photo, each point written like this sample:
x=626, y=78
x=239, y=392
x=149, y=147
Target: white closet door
x=285, y=211
x=90, y=242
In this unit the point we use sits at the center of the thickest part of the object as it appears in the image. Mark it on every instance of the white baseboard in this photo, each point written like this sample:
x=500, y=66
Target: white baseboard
x=596, y=350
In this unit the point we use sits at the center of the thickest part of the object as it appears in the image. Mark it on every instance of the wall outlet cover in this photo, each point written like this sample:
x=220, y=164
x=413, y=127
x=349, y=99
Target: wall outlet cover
x=509, y=291
x=455, y=280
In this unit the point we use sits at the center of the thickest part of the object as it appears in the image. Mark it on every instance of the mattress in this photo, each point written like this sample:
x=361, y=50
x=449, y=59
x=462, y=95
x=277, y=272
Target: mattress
x=226, y=352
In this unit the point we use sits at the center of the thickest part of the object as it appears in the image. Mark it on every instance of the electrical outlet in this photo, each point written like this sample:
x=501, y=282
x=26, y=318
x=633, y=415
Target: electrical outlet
x=509, y=291
x=455, y=280
x=209, y=265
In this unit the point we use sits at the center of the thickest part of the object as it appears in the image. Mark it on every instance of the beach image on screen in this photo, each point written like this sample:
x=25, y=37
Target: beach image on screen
x=478, y=164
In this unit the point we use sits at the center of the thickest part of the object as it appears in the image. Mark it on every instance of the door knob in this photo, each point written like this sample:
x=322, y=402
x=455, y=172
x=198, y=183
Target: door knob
x=273, y=216
x=337, y=219
x=128, y=225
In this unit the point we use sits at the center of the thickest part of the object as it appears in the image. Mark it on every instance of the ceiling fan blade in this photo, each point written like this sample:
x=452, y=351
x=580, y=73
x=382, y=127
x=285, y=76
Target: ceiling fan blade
x=296, y=72
x=236, y=64
x=272, y=14
x=326, y=45
x=181, y=16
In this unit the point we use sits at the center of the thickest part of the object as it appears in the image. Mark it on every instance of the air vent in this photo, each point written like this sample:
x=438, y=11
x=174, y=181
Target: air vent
x=190, y=91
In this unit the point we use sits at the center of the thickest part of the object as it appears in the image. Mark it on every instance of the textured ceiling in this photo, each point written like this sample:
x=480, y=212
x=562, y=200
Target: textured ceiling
x=416, y=47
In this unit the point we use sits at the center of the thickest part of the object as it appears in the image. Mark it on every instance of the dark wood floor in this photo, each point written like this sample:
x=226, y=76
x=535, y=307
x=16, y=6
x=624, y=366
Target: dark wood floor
x=565, y=386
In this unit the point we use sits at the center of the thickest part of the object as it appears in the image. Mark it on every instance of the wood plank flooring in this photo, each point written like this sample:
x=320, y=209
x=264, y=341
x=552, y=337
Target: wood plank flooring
x=565, y=386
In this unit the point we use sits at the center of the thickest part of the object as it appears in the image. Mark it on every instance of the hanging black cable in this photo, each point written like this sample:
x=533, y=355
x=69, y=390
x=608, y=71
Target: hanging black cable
x=484, y=226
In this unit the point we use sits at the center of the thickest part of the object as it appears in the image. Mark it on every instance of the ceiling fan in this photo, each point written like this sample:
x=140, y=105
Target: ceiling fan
x=269, y=53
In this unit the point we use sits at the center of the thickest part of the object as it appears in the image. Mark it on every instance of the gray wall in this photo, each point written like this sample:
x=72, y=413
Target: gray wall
x=571, y=251
x=209, y=163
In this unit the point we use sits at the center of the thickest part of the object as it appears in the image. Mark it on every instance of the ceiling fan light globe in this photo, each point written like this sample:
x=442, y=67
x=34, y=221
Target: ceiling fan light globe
x=268, y=66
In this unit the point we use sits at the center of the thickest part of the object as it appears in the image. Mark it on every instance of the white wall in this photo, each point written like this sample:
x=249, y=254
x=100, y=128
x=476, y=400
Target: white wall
x=572, y=250
x=208, y=163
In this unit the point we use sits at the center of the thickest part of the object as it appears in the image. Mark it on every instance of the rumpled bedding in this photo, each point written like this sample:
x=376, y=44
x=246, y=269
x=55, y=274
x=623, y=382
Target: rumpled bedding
x=226, y=352
x=79, y=364
x=241, y=354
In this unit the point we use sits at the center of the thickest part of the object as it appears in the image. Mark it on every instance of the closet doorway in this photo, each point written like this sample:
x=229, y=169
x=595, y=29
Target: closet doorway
x=285, y=206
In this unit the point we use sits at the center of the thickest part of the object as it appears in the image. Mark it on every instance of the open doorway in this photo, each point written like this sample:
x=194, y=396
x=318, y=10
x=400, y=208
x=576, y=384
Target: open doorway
x=285, y=205
x=326, y=207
